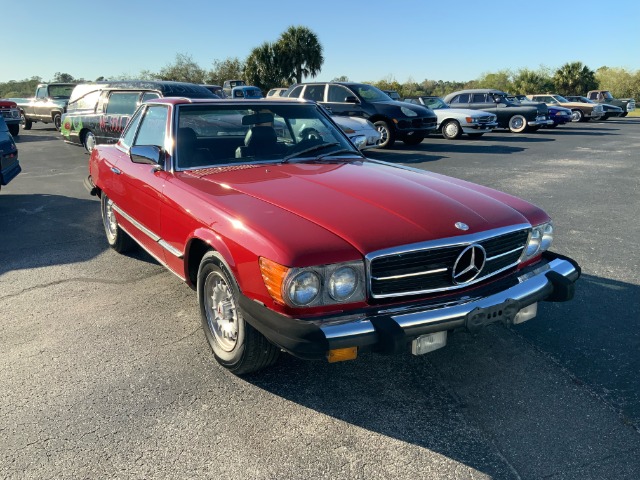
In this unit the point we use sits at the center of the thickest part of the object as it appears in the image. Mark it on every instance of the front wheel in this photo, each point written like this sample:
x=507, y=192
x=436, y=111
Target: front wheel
x=117, y=238
x=57, y=121
x=451, y=130
x=387, y=134
x=604, y=117
x=26, y=123
x=624, y=114
x=517, y=124
x=236, y=345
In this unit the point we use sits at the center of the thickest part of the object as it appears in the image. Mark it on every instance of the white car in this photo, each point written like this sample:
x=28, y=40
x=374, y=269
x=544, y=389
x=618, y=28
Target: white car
x=453, y=122
x=277, y=92
x=357, y=126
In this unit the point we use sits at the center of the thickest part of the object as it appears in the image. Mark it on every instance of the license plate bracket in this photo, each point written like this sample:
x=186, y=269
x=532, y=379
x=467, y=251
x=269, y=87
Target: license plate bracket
x=504, y=312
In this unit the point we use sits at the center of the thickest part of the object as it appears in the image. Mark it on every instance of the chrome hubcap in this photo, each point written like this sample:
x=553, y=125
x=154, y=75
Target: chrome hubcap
x=384, y=134
x=221, y=311
x=516, y=123
x=451, y=130
x=110, y=222
x=90, y=142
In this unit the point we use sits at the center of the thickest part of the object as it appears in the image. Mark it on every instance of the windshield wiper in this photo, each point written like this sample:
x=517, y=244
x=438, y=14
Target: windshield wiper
x=337, y=152
x=309, y=150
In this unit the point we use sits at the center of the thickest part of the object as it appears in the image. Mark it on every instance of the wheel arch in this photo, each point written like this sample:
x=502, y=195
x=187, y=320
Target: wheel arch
x=198, y=245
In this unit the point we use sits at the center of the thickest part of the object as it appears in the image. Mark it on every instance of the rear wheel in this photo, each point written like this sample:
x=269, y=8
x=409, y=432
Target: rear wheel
x=89, y=141
x=117, y=238
x=236, y=345
x=517, y=124
x=387, y=134
x=451, y=130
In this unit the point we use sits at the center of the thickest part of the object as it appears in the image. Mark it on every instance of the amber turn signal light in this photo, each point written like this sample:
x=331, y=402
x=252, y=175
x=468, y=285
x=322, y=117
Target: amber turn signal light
x=273, y=275
x=342, y=354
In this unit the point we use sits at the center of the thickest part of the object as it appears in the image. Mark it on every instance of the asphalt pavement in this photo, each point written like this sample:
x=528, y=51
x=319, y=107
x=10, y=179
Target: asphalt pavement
x=105, y=371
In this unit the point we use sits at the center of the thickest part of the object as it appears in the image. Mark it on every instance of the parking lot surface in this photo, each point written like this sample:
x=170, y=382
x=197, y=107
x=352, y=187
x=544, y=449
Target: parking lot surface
x=105, y=372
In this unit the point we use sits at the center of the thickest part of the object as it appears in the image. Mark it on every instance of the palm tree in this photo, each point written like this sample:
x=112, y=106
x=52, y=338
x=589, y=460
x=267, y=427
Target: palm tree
x=299, y=53
x=262, y=68
x=574, y=78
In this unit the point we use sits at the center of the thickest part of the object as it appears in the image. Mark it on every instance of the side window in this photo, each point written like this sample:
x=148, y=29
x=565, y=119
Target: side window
x=314, y=92
x=122, y=103
x=295, y=93
x=478, y=98
x=132, y=127
x=149, y=96
x=89, y=101
x=338, y=93
x=41, y=92
x=153, y=126
x=462, y=98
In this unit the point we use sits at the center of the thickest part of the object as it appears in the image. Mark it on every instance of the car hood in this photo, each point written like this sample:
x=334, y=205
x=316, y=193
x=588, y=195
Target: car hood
x=7, y=103
x=369, y=205
x=394, y=108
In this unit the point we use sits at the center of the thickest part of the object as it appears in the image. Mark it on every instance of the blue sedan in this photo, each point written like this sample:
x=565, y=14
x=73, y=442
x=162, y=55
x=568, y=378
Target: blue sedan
x=9, y=166
x=559, y=115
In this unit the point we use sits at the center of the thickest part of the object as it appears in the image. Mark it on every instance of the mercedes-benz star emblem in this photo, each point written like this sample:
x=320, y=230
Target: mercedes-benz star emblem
x=462, y=226
x=469, y=264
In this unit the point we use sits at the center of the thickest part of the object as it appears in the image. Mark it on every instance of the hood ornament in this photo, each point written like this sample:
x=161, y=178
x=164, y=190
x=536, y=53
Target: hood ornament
x=462, y=226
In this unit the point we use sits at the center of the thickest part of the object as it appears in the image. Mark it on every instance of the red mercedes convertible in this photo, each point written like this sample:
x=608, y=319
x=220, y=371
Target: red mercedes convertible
x=296, y=242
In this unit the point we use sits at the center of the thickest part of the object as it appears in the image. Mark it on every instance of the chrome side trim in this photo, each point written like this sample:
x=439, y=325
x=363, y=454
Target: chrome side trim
x=156, y=238
x=417, y=274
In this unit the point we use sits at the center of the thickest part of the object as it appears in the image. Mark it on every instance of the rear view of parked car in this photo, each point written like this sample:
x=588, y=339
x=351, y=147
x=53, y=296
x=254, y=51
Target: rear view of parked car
x=393, y=119
x=11, y=114
x=246, y=91
x=9, y=165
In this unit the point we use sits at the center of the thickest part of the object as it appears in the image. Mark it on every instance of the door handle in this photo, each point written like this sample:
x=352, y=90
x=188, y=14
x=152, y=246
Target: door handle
x=115, y=170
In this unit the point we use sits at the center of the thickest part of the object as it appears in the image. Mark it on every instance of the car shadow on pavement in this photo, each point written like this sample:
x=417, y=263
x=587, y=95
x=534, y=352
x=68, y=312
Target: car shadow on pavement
x=26, y=138
x=42, y=230
x=492, y=392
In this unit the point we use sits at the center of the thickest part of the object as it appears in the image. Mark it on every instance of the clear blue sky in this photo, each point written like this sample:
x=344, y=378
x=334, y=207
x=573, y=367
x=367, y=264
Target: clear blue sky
x=366, y=40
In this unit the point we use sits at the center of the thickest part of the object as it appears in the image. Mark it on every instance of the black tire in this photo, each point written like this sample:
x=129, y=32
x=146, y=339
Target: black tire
x=604, y=117
x=14, y=129
x=451, y=130
x=475, y=135
x=57, y=121
x=624, y=114
x=26, y=123
x=117, y=238
x=577, y=115
x=88, y=141
x=414, y=139
x=235, y=344
x=387, y=134
x=517, y=124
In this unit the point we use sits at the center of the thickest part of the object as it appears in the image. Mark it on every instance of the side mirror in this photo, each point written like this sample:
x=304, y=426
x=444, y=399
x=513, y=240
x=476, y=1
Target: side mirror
x=147, y=154
x=351, y=99
x=359, y=141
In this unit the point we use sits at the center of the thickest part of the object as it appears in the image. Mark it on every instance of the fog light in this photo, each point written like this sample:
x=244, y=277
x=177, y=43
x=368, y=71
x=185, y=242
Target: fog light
x=428, y=343
x=342, y=354
x=527, y=313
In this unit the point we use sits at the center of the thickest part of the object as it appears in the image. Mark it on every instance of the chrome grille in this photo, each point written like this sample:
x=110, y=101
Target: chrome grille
x=412, y=271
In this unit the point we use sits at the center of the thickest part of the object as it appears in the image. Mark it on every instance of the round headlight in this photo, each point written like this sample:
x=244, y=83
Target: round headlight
x=408, y=112
x=342, y=283
x=547, y=237
x=304, y=288
x=534, y=242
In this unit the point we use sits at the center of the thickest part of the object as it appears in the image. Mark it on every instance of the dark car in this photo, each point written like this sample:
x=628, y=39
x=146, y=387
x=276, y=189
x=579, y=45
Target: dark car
x=604, y=96
x=512, y=115
x=559, y=115
x=296, y=242
x=609, y=110
x=216, y=90
x=98, y=112
x=393, y=119
x=9, y=166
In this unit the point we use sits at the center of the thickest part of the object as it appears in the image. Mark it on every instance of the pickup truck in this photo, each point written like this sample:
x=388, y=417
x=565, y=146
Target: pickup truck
x=604, y=96
x=47, y=106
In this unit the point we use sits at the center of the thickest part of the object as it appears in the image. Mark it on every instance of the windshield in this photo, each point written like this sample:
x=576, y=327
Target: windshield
x=607, y=95
x=370, y=93
x=434, y=103
x=215, y=135
x=60, y=91
x=560, y=99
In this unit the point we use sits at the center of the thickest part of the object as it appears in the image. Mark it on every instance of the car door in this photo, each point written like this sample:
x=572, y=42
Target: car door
x=461, y=101
x=342, y=101
x=41, y=105
x=141, y=183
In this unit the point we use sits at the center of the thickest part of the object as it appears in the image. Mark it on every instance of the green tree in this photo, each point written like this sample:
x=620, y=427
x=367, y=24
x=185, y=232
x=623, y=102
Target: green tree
x=227, y=69
x=574, y=78
x=527, y=82
x=184, y=69
x=262, y=68
x=500, y=80
x=63, y=78
x=299, y=53
x=620, y=82
x=341, y=78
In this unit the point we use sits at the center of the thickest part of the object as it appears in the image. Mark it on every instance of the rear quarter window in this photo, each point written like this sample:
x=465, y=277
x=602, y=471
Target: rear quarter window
x=122, y=103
